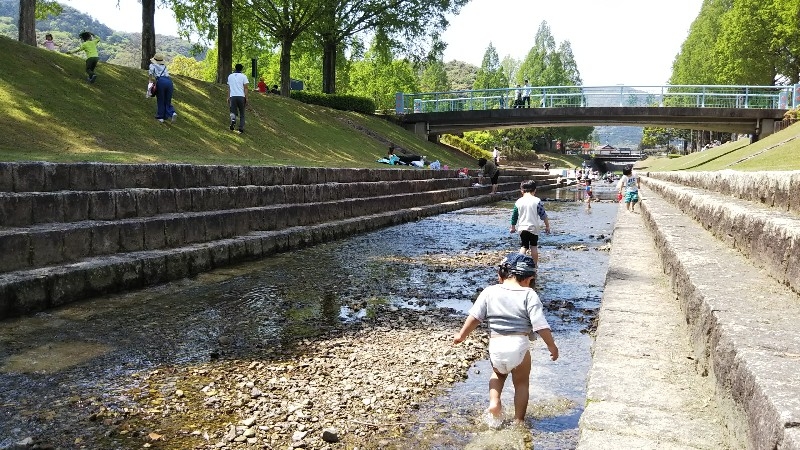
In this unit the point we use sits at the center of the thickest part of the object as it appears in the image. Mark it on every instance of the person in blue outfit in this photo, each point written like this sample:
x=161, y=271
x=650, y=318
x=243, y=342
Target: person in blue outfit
x=513, y=311
x=158, y=74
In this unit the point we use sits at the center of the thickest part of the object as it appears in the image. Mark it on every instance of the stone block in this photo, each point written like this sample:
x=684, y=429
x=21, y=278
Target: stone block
x=105, y=177
x=81, y=176
x=213, y=224
x=76, y=206
x=274, y=195
x=175, y=231
x=226, y=197
x=66, y=286
x=56, y=177
x=308, y=175
x=16, y=210
x=47, y=208
x=165, y=200
x=794, y=187
x=183, y=200
x=6, y=300
x=268, y=244
x=146, y=202
x=105, y=238
x=7, y=177
x=291, y=175
x=154, y=269
x=245, y=176
x=29, y=177
x=47, y=248
x=228, y=224
x=101, y=206
x=242, y=222
x=101, y=278
x=180, y=175
x=154, y=234
x=77, y=242
x=125, y=203
x=129, y=273
x=15, y=251
x=238, y=250
x=198, y=260
x=293, y=193
x=177, y=264
x=219, y=252
x=253, y=246
x=196, y=228
x=161, y=176
x=30, y=295
x=131, y=236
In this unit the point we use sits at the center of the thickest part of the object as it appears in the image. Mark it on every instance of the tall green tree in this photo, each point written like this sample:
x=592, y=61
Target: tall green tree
x=379, y=75
x=29, y=11
x=213, y=20
x=490, y=75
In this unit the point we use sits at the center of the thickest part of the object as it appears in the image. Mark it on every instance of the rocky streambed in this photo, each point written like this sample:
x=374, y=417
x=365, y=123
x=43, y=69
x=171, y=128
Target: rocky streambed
x=339, y=346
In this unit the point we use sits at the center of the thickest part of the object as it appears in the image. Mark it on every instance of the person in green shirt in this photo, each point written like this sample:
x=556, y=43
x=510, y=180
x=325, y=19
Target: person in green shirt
x=89, y=46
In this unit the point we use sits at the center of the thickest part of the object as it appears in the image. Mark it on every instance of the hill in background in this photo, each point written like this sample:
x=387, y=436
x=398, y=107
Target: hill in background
x=118, y=47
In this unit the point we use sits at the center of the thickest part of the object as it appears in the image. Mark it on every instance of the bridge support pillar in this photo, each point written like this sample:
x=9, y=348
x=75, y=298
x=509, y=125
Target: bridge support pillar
x=421, y=130
x=765, y=128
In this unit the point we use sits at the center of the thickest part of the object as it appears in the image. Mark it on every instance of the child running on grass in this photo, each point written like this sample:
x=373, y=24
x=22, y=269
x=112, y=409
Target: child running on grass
x=89, y=46
x=528, y=211
x=513, y=311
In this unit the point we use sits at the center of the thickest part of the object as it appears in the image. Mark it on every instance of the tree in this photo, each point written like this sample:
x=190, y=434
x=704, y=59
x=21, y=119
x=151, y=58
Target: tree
x=490, y=75
x=342, y=19
x=285, y=20
x=461, y=75
x=29, y=11
x=148, y=32
x=213, y=20
x=379, y=76
x=189, y=67
x=434, y=77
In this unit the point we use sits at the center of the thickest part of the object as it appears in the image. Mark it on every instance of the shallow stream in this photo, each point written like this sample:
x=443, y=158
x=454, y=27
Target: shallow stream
x=53, y=363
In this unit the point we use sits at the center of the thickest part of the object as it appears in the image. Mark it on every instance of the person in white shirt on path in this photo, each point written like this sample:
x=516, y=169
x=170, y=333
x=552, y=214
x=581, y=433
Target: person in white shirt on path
x=237, y=99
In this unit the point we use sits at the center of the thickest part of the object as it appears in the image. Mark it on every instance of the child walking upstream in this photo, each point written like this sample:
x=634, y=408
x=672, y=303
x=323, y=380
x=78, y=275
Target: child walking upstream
x=528, y=211
x=589, y=194
x=630, y=183
x=89, y=46
x=513, y=311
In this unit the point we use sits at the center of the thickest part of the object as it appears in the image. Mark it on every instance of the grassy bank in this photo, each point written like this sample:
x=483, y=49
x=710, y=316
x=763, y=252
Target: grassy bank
x=779, y=151
x=50, y=113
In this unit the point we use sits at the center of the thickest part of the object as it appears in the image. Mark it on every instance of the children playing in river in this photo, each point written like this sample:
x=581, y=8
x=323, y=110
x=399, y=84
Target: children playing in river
x=589, y=193
x=528, y=211
x=513, y=311
x=630, y=183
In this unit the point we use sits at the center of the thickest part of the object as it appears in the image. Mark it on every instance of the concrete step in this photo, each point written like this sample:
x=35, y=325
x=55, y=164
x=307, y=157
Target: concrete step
x=644, y=388
x=23, y=292
x=768, y=236
x=743, y=326
x=775, y=189
x=56, y=243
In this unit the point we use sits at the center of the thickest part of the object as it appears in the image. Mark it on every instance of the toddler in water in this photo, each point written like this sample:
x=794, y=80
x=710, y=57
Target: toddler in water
x=513, y=311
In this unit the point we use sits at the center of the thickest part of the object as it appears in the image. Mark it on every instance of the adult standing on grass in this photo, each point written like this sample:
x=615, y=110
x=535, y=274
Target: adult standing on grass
x=237, y=99
x=158, y=74
x=89, y=46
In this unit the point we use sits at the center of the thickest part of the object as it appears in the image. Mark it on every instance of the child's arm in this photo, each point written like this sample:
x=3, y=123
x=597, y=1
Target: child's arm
x=547, y=337
x=469, y=326
x=514, y=219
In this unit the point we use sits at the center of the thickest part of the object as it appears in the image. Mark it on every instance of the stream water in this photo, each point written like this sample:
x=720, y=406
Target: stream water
x=51, y=361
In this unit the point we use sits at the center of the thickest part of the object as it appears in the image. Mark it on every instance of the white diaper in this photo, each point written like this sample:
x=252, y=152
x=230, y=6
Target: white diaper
x=507, y=352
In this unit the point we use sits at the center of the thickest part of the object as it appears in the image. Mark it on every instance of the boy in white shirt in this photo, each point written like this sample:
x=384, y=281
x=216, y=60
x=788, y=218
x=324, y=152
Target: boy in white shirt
x=630, y=183
x=237, y=99
x=528, y=211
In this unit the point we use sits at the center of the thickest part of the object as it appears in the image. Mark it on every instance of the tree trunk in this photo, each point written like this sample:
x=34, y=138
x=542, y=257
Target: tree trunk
x=329, y=48
x=148, y=32
x=286, y=65
x=224, y=40
x=27, y=22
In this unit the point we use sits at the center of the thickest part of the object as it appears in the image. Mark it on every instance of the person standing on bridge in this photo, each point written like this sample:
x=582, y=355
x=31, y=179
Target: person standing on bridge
x=526, y=94
x=513, y=312
x=528, y=211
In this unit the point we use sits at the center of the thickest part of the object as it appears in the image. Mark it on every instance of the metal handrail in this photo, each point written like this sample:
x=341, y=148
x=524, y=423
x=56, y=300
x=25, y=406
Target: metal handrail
x=702, y=96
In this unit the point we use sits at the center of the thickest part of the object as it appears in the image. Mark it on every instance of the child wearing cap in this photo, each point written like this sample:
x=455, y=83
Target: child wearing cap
x=513, y=311
x=528, y=211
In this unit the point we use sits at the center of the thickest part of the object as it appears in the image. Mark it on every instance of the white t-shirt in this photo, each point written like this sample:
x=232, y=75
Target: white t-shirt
x=630, y=183
x=237, y=82
x=510, y=309
x=526, y=91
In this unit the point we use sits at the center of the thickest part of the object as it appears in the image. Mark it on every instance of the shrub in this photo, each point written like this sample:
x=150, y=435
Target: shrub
x=334, y=101
x=465, y=146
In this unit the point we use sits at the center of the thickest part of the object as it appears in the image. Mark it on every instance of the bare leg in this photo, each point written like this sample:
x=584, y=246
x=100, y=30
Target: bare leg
x=496, y=383
x=535, y=254
x=520, y=376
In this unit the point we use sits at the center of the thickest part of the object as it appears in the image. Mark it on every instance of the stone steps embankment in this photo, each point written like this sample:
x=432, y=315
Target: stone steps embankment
x=72, y=231
x=733, y=287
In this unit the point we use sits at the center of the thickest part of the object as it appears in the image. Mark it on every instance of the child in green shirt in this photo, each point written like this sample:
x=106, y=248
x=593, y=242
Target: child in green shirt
x=89, y=46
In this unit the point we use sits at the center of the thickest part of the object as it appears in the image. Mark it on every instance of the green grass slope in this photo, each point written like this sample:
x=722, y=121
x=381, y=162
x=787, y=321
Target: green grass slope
x=50, y=113
x=779, y=151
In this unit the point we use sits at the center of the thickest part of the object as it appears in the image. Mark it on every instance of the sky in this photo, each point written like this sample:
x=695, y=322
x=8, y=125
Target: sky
x=630, y=42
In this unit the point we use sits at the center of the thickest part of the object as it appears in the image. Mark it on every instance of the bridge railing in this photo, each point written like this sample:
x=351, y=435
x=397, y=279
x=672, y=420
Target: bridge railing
x=695, y=96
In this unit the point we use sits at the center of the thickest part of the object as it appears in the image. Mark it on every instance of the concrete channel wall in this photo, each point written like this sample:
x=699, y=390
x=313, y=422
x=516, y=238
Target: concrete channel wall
x=72, y=231
x=728, y=245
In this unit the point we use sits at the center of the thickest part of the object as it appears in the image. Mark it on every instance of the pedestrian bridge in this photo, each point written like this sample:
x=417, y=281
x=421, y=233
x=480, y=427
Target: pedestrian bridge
x=734, y=109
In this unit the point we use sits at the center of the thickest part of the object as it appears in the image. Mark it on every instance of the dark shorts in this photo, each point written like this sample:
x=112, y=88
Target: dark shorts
x=495, y=177
x=528, y=239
